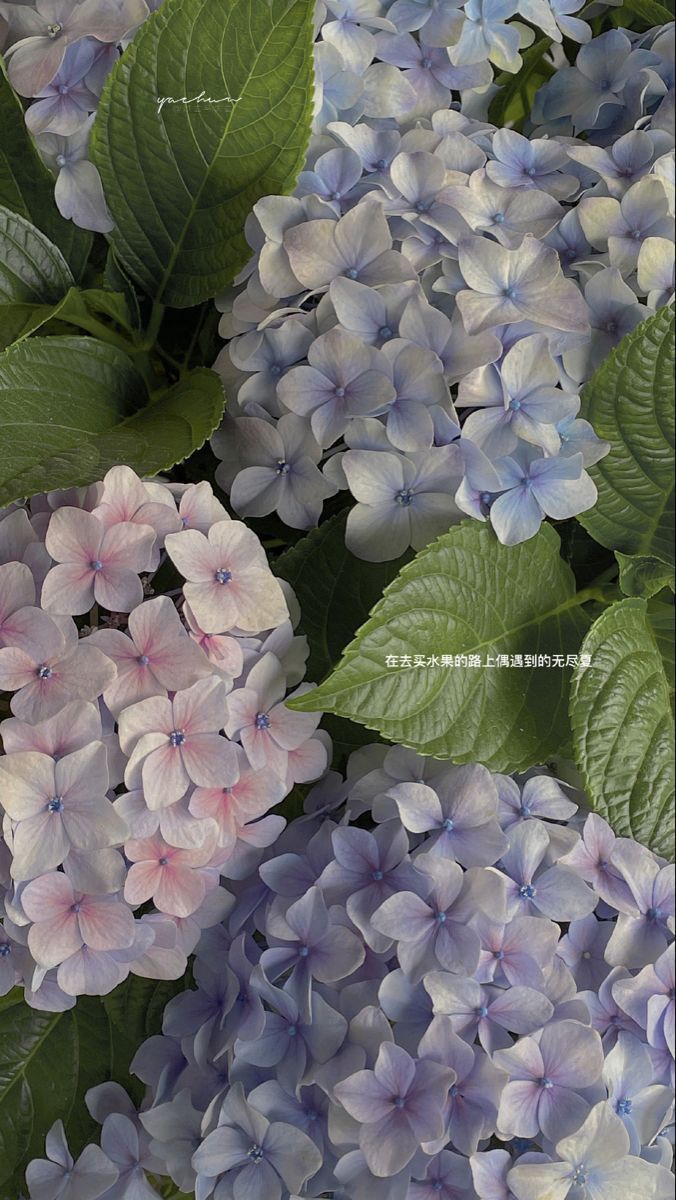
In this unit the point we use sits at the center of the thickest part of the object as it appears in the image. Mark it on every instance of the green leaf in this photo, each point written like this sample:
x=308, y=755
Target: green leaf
x=648, y=12
x=181, y=182
x=630, y=403
x=466, y=594
x=33, y=277
x=26, y=186
x=661, y=617
x=642, y=575
x=336, y=593
x=513, y=85
x=74, y=407
x=622, y=727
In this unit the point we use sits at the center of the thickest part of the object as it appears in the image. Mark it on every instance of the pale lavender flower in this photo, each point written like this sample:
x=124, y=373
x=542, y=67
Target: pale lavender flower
x=516, y=954
x=516, y=285
x=417, y=377
x=487, y=1012
x=78, y=191
x=470, y=1112
x=459, y=813
x=344, y=379
x=534, y=487
x=403, y=501
x=642, y=1105
x=645, y=927
x=596, y=82
x=655, y=271
x=64, y=104
x=582, y=949
x=59, y=1177
x=64, y=920
x=489, y=1174
x=507, y=213
x=620, y=164
x=433, y=932
x=372, y=314
x=447, y=1178
x=319, y=948
x=607, y=1015
x=593, y=1163
x=285, y=477
x=592, y=859
x=429, y=71
x=546, y=1075
x=533, y=887
x=539, y=798
x=55, y=25
x=259, y=717
x=358, y=246
x=621, y=226
x=436, y=20
x=485, y=35
x=333, y=176
x=521, y=162
x=399, y=1105
x=648, y=999
x=614, y=311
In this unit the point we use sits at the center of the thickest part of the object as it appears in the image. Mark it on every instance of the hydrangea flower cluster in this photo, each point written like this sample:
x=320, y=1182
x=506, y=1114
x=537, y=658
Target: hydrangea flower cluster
x=438, y=982
x=149, y=736
x=417, y=321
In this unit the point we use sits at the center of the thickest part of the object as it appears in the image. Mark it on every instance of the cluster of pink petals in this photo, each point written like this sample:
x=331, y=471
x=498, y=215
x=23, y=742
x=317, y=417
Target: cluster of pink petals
x=148, y=737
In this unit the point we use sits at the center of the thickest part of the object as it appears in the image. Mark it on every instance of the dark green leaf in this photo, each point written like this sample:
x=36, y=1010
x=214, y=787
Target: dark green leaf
x=622, y=727
x=26, y=186
x=643, y=576
x=74, y=407
x=661, y=617
x=336, y=593
x=648, y=12
x=180, y=182
x=32, y=269
x=512, y=85
x=466, y=594
x=630, y=403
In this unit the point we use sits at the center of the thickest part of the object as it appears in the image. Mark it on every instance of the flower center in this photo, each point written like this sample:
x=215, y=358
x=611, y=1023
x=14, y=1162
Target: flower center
x=623, y=1106
x=515, y=405
x=579, y=1174
x=177, y=737
x=255, y=1154
x=262, y=721
x=44, y=672
x=448, y=825
x=163, y=862
x=352, y=273
x=440, y=917
x=499, y=218
x=377, y=875
x=96, y=564
x=222, y=575
x=61, y=160
x=498, y=955
x=54, y=30
x=292, y=1031
x=275, y=369
x=404, y=497
x=76, y=908
x=426, y=63
x=283, y=467
x=482, y=1011
x=509, y=293
x=143, y=660
x=527, y=891
x=545, y=1082
x=399, y=1101
x=55, y=805
x=339, y=392
x=303, y=952
x=653, y=914
x=5, y=949
x=385, y=331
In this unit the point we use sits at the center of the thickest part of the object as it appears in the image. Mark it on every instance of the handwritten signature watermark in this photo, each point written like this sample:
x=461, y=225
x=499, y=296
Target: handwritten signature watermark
x=201, y=99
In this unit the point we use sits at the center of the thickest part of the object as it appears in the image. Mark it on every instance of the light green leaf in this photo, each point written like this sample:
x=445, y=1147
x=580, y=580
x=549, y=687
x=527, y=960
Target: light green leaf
x=32, y=269
x=336, y=593
x=80, y=309
x=622, y=727
x=630, y=403
x=466, y=594
x=181, y=182
x=641, y=575
x=26, y=186
x=661, y=617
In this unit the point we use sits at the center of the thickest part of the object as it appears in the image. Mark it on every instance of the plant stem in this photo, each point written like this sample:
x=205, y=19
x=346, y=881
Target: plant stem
x=153, y=327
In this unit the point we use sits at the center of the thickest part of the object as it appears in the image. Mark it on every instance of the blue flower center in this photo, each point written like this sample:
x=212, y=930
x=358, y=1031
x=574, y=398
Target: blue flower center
x=399, y=1101
x=653, y=914
x=96, y=564
x=44, y=672
x=377, y=875
x=422, y=206
x=515, y=405
x=485, y=497
x=454, y=1091
x=498, y=955
x=55, y=805
x=76, y=908
x=62, y=89
x=611, y=327
x=282, y=467
x=255, y=1154
x=385, y=331
x=526, y=483
x=292, y=1031
x=303, y=952
x=381, y=163
x=544, y=1082
x=499, y=218
x=527, y=891
x=426, y=63
x=405, y=497
x=448, y=825
x=526, y=810
x=482, y=1011
x=177, y=737
x=509, y=293
x=579, y=1174
x=352, y=273
x=61, y=160
x=275, y=369
x=604, y=85
x=262, y=721
x=222, y=575
x=5, y=949
x=624, y=1106
x=163, y=862
x=530, y=172
x=339, y=392
x=440, y=917
x=143, y=660
x=636, y=234
x=336, y=196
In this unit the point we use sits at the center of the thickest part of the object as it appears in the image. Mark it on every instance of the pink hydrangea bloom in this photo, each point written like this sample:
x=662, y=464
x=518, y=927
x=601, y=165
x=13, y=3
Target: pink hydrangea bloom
x=56, y=805
x=250, y=796
x=127, y=499
x=225, y=653
x=64, y=920
x=265, y=726
x=175, y=822
x=54, y=670
x=199, y=509
x=155, y=657
x=230, y=585
x=75, y=726
x=173, y=743
x=18, y=616
x=95, y=564
x=176, y=880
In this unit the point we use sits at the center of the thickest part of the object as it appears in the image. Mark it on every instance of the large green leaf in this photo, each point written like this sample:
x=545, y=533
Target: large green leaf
x=26, y=186
x=181, y=180
x=466, y=595
x=643, y=575
x=73, y=407
x=630, y=402
x=34, y=276
x=336, y=593
x=622, y=727
x=648, y=12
